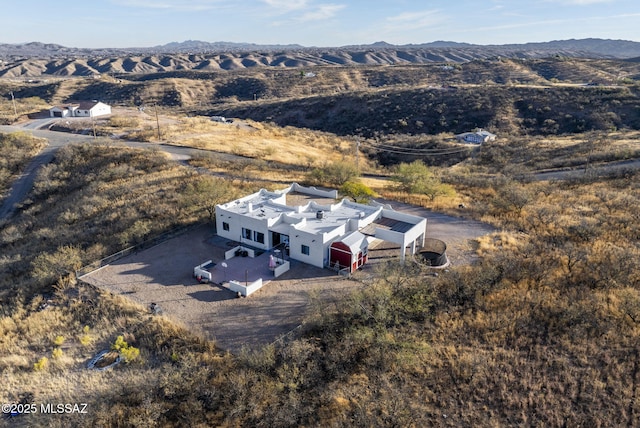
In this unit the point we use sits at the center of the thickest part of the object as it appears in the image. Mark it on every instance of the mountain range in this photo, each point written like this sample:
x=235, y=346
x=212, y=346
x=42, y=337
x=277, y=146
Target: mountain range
x=601, y=47
x=36, y=59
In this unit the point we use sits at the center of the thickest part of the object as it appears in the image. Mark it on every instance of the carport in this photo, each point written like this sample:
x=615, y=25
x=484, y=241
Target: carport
x=399, y=228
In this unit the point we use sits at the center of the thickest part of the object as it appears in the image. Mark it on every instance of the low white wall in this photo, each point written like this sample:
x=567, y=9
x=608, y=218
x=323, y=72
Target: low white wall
x=199, y=272
x=314, y=191
x=245, y=290
x=232, y=252
x=280, y=269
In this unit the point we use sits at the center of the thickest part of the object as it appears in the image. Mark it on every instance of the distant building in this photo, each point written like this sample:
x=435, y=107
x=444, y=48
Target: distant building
x=81, y=109
x=320, y=232
x=478, y=137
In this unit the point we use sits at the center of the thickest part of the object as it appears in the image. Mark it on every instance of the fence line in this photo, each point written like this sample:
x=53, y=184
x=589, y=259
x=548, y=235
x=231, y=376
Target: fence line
x=85, y=270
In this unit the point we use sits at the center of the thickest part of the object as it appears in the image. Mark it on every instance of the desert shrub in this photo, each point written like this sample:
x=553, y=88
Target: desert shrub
x=86, y=339
x=57, y=353
x=124, y=122
x=205, y=192
x=416, y=178
x=58, y=341
x=129, y=353
x=48, y=267
x=334, y=174
x=357, y=190
x=41, y=365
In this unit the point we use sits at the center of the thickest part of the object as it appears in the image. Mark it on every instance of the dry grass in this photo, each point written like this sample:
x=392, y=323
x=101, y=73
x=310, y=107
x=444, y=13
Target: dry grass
x=542, y=331
x=262, y=141
x=518, y=155
x=23, y=108
x=16, y=150
x=245, y=138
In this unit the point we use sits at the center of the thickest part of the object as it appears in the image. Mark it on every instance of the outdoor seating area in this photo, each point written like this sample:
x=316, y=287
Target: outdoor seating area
x=243, y=271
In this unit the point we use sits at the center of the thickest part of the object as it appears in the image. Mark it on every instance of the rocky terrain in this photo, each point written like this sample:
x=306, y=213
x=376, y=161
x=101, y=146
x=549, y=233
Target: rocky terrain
x=38, y=59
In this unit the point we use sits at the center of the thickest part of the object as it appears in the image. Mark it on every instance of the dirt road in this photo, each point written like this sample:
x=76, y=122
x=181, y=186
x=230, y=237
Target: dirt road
x=24, y=183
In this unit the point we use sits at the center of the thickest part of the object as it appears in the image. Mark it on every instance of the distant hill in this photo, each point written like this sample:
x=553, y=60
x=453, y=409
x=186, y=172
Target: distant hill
x=603, y=47
x=37, y=59
x=200, y=46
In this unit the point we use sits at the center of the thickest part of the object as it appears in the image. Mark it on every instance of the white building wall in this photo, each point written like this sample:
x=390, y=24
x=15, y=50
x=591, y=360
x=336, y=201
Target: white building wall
x=316, y=254
x=303, y=230
x=236, y=224
x=62, y=112
x=100, y=109
x=81, y=113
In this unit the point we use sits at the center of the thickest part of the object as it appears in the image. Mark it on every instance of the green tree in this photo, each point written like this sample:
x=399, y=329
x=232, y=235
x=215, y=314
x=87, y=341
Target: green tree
x=334, y=174
x=357, y=190
x=207, y=192
x=416, y=178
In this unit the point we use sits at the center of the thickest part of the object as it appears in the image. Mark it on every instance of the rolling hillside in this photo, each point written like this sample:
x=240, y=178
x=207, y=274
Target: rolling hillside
x=37, y=59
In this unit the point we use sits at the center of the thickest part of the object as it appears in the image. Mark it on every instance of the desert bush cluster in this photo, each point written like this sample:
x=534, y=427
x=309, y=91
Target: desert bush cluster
x=542, y=330
x=20, y=106
x=15, y=150
x=94, y=200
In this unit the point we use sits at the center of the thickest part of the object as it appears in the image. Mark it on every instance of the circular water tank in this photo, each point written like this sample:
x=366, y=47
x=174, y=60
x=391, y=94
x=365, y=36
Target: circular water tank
x=319, y=215
x=434, y=252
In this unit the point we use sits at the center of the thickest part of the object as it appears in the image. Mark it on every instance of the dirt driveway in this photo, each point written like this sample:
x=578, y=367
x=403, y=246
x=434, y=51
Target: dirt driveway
x=163, y=275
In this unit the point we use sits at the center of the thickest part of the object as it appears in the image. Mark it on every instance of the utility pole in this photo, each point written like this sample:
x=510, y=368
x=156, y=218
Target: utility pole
x=157, y=121
x=358, y=153
x=15, y=110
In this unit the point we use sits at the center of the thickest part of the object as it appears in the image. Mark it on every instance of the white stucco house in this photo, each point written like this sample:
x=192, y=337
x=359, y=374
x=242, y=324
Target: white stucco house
x=478, y=137
x=81, y=109
x=308, y=225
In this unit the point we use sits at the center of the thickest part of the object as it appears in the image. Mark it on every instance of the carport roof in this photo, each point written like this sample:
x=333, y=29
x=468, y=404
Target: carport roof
x=388, y=224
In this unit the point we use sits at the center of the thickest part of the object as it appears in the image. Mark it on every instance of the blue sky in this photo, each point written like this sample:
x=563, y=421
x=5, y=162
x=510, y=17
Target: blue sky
x=139, y=23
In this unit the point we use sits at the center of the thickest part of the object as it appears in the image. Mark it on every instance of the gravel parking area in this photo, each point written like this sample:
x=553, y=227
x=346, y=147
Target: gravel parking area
x=163, y=275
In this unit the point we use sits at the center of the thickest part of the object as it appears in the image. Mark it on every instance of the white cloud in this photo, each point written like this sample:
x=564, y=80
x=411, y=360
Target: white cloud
x=321, y=12
x=579, y=2
x=414, y=20
x=302, y=10
x=285, y=6
x=192, y=5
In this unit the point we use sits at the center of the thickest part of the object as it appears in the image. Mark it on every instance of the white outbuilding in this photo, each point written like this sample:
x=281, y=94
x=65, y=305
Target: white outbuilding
x=81, y=109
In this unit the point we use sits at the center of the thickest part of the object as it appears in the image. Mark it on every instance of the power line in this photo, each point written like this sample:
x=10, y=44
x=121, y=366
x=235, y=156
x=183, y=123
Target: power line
x=416, y=151
x=413, y=149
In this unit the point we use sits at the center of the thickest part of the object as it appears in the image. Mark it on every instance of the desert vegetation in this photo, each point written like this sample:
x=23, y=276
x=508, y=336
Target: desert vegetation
x=15, y=151
x=12, y=110
x=541, y=331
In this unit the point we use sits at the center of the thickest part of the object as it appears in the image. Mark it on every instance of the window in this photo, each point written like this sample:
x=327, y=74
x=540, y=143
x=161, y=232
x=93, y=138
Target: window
x=258, y=237
x=225, y=226
x=246, y=233
x=305, y=250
